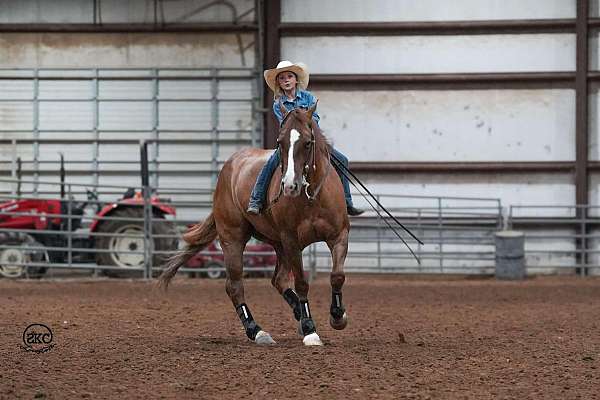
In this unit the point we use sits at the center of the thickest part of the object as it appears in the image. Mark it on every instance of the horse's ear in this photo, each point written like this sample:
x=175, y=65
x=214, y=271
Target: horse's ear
x=282, y=108
x=312, y=110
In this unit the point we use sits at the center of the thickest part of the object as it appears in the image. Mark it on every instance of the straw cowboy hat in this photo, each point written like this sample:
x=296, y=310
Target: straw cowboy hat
x=300, y=69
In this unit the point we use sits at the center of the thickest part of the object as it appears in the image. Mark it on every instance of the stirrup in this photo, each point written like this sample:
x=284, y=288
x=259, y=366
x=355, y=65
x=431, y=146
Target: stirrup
x=253, y=209
x=353, y=211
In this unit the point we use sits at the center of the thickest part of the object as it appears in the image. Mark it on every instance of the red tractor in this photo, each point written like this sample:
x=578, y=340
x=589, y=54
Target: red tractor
x=43, y=231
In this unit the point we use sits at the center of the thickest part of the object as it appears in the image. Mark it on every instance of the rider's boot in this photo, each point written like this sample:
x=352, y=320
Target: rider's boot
x=353, y=211
x=254, y=208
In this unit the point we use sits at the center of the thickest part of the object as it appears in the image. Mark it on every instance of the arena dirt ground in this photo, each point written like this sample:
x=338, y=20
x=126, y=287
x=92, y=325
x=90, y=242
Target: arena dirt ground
x=407, y=338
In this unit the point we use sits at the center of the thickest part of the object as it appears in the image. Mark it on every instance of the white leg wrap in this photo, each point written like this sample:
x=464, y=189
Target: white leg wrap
x=263, y=337
x=312, y=340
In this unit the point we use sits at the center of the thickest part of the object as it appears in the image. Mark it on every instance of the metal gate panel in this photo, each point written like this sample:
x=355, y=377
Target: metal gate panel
x=125, y=115
x=185, y=89
x=72, y=89
x=16, y=115
x=65, y=115
x=125, y=90
x=98, y=117
x=185, y=115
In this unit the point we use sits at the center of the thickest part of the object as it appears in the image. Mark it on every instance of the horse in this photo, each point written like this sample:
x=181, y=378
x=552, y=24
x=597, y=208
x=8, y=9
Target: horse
x=309, y=208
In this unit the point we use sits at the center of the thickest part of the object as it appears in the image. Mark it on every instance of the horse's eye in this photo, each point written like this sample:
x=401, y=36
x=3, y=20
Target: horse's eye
x=308, y=145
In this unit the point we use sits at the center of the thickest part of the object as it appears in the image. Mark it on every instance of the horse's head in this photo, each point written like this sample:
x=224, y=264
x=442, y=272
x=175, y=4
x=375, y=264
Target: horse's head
x=297, y=146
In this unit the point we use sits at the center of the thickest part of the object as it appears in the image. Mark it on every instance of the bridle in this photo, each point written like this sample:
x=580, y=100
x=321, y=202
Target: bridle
x=306, y=170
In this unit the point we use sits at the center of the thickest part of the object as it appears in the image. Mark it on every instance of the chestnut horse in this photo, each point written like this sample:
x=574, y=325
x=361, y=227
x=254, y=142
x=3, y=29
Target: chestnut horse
x=312, y=209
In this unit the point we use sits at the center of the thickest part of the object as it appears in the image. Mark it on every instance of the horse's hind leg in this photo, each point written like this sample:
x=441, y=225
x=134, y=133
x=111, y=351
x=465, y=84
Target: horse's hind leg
x=234, y=251
x=281, y=282
x=339, y=248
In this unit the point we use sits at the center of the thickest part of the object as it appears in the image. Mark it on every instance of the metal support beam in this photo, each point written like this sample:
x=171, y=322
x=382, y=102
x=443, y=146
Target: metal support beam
x=491, y=167
x=454, y=81
x=218, y=27
x=427, y=28
x=581, y=130
x=271, y=56
x=581, y=104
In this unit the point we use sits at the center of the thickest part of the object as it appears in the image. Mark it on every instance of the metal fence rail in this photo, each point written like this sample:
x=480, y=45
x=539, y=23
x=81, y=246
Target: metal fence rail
x=560, y=237
x=458, y=233
x=457, y=238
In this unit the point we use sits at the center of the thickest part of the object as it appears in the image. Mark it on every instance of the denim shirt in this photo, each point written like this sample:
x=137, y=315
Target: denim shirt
x=304, y=99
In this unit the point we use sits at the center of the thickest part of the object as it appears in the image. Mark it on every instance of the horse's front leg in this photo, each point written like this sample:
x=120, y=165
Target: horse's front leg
x=281, y=282
x=338, y=318
x=308, y=328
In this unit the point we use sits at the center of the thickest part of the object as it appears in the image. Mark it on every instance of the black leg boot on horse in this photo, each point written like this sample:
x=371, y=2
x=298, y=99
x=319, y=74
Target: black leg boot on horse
x=307, y=327
x=281, y=282
x=338, y=318
x=233, y=241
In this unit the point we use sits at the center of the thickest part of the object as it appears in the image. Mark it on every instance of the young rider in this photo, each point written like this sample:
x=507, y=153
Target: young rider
x=288, y=81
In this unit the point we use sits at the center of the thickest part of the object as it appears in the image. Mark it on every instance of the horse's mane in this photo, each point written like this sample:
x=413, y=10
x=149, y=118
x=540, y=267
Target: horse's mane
x=322, y=142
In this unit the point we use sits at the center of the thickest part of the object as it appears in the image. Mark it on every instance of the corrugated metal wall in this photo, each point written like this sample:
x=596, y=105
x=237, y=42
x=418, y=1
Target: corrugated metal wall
x=449, y=125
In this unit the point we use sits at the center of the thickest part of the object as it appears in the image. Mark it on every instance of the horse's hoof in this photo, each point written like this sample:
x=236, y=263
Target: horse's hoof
x=312, y=340
x=263, y=338
x=338, y=324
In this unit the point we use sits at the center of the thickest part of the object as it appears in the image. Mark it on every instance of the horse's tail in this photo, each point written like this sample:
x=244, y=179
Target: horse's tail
x=197, y=238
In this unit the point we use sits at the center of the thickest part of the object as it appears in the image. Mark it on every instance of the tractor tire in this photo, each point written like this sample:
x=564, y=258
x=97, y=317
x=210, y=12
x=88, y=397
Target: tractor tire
x=10, y=259
x=212, y=270
x=119, y=248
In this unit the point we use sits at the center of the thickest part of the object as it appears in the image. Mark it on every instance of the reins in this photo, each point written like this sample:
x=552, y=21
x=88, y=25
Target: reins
x=320, y=185
x=352, y=178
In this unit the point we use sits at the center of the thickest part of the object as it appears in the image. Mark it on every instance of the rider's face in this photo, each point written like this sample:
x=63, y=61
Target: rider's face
x=287, y=80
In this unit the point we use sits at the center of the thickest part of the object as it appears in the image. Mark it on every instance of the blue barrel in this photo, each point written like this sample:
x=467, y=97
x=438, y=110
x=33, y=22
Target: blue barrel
x=510, y=255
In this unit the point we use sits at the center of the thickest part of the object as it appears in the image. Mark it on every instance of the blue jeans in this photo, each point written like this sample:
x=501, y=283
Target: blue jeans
x=264, y=178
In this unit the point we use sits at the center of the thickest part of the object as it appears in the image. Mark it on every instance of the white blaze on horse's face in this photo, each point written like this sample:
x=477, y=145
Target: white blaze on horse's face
x=291, y=186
